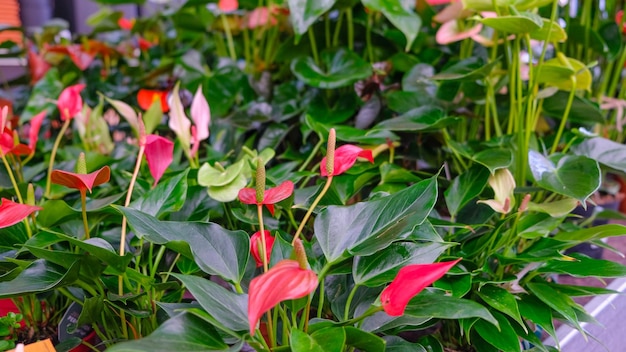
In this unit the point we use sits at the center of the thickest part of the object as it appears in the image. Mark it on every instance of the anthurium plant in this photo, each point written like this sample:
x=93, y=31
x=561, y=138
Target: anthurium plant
x=369, y=175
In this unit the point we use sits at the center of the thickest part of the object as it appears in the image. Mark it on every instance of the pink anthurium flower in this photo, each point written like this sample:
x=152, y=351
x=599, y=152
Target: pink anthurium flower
x=438, y=2
x=4, y=117
x=126, y=24
x=410, y=281
x=284, y=281
x=33, y=132
x=159, y=155
x=270, y=197
x=9, y=144
x=345, y=157
x=70, y=102
x=81, y=182
x=449, y=32
x=255, y=244
x=11, y=213
x=228, y=5
x=201, y=116
x=37, y=64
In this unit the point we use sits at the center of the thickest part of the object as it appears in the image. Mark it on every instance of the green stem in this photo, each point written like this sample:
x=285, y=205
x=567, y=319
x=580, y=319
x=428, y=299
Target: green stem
x=313, y=43
x=308, y=160
x=157, y=261
x=350, y=29
x=346, y=312
x=568, y=107
x=83, y=203
x=259, y=209
x=329, y=180
x=229, y=38
x=327, y=30
x=12, y=177
x=337, y=29
x=53, y=154
x=368, y=37
x=320, y=301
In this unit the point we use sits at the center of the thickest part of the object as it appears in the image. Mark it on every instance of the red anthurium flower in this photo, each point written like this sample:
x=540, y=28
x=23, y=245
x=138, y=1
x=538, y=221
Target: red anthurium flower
x=70, y=102
x=410, y=281
x=284, y=281
x=255, y=244
x=126, y=23
x=35, y=126
x=270, y=197
x=81, y=182
x=8, y=144
x=619, y=18
x=144, y=44
x=82, y=59
x=37, y=64
x=145, y=98
x=228, y=5
x=438, y=2
x=11, y=213
x=345, y=157
x=159, y=155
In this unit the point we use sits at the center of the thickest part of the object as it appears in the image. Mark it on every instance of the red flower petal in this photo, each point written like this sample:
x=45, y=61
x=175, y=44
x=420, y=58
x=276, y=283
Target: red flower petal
x=410, y=281
x=228, y=5
x=35, y=126
x=619, y=17
x=70, y=102
x=278, y=193
x=438, y=2
x=145, y=98
x=284, y=281
x=159, y=155
x=8, y=146
x=37, y=64
x=11, y=213
x=247, y=195
x=126, y=23
x=144, y=44
x=81, y=181
x=345, y=157
x=81, y=58
x=255, y=243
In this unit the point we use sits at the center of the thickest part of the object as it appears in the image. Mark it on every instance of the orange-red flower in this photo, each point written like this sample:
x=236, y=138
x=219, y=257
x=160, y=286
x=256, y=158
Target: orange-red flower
x=228, y=5
x=410, y=281
x=619, y=19
x=145, y=98
x=284, y=281
x=37, y=64
x=270, y=196
x=9, y=144
x=11, y=213
x=81, y=182
x=126, y=23
x=159, y=155
x=255, y=244
x=345, y=157
x=70, y=102
x=33, y=132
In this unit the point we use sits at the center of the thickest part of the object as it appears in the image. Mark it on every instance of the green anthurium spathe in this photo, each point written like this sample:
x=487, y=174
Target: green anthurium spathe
x=503, y=184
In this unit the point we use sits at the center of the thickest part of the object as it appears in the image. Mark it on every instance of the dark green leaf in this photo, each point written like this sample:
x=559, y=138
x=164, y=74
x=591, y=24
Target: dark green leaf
x=585, y=266
x=582, y=110
x=501, y=300
x=328, y=339
x=168, y=196
x=398, y=344
x=505, y=339
x=423, y=118
x=340, y=68
x=39, y=276
x=561, y=303
x=604, y=151
x=468, y=70
x=591, y=233
x=494, y=159
x=465, y=187
x=303, y=13
x=435, y=305
x=406, y=21
x=362, y=340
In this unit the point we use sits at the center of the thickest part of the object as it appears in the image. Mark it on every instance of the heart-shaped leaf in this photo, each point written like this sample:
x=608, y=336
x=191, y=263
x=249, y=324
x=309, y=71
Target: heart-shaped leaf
x=523, y=23
x=550, y=31
x=605, y=151
x=574, y=176
x=303, y=13
x=465, y=187
x=435, y=305
x=340, y=68
x=494, y=159
x=423, y=118
x=216, y=250
x=213, y=176
x=582, y=111
x=406, y=21
x=364, y=228
x=166, y=197
x=39, y=276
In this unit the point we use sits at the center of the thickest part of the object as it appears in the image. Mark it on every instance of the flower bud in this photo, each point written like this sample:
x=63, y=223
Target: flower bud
x=300, y=254
x=330, y=152
x=30, y=194
x=81, y=164
x=260, y=181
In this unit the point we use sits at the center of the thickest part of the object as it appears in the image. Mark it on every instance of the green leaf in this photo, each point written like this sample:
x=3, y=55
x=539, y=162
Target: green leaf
x=166, y=197
x=604, y=151
x=537, y=312
x=211, y=176
x=494, y=159
x=423, y=118
x=561, y=303
x=559, y=72
x=381, y=267
x=505, y=339
x=582, y=111
x=364, y=228
x=363, y=340
x=53, y=212
x=183, y=333
x=406, y=21
x=339, y=69
x=225, y=307
x=433, y=305
x=44, y=95
x=398, y=344
x=228, y=192
x=352, y=134
x=556, y=209
x=216, y=250
x=39, y=276
x=523, y=23
x=465, y=187
x=591, y=233
x=468, y=70
x=501, y=300
x=303, y=13
x=582, y=35
x=392, y=173
x=550, y=31
x=330, y=339
x=584, y=266
x=573, y=176
x=612, y=36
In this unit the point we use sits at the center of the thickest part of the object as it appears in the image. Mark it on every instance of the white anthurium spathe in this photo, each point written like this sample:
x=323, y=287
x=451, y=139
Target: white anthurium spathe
x=179, y=122
x=503, y=184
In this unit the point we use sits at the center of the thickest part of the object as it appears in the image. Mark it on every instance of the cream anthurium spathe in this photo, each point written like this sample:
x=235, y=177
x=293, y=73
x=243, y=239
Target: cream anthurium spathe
x=179, y=122
x=188, y=134
x=503, y=184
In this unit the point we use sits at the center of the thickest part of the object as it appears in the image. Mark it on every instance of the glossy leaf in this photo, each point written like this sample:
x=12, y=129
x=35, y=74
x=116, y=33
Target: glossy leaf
x=363, y=340
x=183, y=332
x=584, y=266
x=367, y=227
x=505, y=339
x=43, y=95
x=340, y=68
x=216, y=250
x=582, y=111
x=465, y=187
x=211, y=176
x=381, y=267
x=561, y=303
x=494, y=159
x=166, y=197
x=604, y=151
x=303, y=13
x=423, y=118
x=502, y=300
x=550, y=31
x=224, y=306
x=406, y=21
x=323, y=340
x=467, y=70
x=591, y=233
x=573, y=176
x=535, y=310
x=559, y=72
x=435, y=305
x=228, y=192
x=39, y=276
x=398, y=344
x=517, y=24
x=558, y=208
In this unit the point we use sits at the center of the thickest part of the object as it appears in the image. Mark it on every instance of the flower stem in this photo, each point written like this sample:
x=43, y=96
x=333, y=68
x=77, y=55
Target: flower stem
x=53, y=154
x=313, y=43
x=568, y=107
x=229, y=38
x=83, y=205
x=329, y=180
x=346, y=312
x=259, y=209
x=12, y=177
